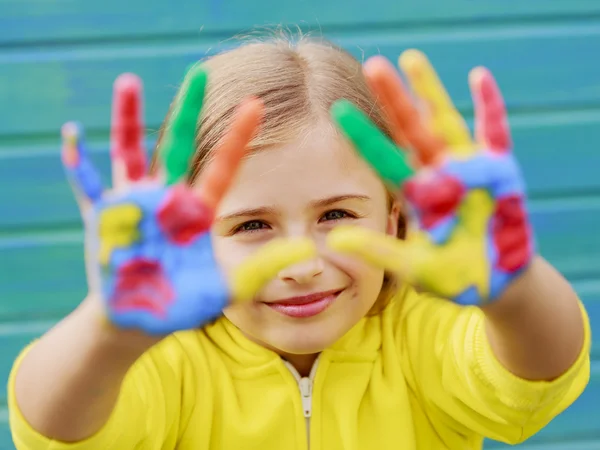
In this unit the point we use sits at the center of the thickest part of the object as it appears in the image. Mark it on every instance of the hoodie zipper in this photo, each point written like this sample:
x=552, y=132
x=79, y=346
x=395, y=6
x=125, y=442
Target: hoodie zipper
x=305, y=384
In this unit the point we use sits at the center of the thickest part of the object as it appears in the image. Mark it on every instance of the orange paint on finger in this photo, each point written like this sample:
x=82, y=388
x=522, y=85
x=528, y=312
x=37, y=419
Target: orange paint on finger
x=69, y=152
x=229, y=153
x=406, y=120
x=377, y=73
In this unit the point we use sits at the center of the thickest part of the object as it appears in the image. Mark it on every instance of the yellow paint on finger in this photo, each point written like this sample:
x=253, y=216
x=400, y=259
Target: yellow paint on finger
x=445, y=120
x=462, y=261
x=118, y=227
x=377, y=249
x=266, y=263
x=446, y=269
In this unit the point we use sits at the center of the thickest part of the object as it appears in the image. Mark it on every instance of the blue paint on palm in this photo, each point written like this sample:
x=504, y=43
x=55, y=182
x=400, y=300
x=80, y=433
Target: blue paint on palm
x=498, y=173
x=176, y=287
x=501, y=176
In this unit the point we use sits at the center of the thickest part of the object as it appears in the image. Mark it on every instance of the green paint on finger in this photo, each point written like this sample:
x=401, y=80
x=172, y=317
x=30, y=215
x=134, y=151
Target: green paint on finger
x=180, y=134
x=387, y=159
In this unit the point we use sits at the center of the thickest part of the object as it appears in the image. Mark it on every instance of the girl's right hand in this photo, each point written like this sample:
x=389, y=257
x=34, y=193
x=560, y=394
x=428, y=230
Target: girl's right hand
x=148, y=247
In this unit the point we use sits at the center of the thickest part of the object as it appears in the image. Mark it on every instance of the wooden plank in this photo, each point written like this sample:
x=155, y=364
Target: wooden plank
x=42, y=90
x=566, y=232
x=34, y=190
x=41, y=277
x=558, y=153
x=6, y=442
x=32, y=20
x=14, y=338
x=589, y=293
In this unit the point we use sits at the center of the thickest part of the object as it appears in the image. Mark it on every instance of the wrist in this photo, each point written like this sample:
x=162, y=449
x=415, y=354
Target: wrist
x=514, y=297
x=124, y=343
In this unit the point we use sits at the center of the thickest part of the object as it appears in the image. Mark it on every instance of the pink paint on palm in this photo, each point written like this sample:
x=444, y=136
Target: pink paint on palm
x=491, y=118
x=127, y=126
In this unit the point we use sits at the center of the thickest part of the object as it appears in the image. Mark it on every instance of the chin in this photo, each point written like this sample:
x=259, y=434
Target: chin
x=303, y=340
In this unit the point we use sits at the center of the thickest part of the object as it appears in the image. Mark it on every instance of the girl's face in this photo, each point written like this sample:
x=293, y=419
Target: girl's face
x=303, y=190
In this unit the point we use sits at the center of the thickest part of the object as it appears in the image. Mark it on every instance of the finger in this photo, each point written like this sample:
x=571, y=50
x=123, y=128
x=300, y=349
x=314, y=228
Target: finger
x=178, y=143
x=266, y=263
x=127, y=151
x=387, y=159
x=446, y=122
x=474, y=213
x=385, y=82
x=118, y=227
x=82, y=174
x=491, y=118
x=372, y=69
x=219, y=174
x=377, y=249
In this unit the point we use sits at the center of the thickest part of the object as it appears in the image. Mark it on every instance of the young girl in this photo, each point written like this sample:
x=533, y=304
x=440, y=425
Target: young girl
x=312, y=336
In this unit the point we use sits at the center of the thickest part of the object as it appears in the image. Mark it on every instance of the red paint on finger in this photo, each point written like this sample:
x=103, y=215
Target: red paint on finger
x=127, y=126
x=511, y=233
x=434, y=197
x=183, y=216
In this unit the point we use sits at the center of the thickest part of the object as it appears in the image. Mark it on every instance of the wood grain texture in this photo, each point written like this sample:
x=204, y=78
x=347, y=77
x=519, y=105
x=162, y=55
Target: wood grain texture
x=59, y=58
x=26, y=21
x=43, y=89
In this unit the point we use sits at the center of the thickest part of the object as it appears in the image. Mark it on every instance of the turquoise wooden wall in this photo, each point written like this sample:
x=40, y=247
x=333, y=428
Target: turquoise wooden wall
x=58, y=60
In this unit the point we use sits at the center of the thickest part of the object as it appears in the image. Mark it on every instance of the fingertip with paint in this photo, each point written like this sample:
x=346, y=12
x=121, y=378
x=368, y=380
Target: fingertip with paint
x=376, y=64
x=128, y=82
x=341, y=107
x=412, y=60
x=71, y=134
x=477, y=75
x=127, y=99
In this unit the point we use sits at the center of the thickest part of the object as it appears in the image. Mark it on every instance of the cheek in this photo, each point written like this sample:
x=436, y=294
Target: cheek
x=228, y=253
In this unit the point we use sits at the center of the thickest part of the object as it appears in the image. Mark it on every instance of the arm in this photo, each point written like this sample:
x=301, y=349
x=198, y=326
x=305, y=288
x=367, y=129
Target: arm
x=151, y=271
x=474, y=244
x=507, y=350
x=449, y=364
x=536, y=328
x=80, y=377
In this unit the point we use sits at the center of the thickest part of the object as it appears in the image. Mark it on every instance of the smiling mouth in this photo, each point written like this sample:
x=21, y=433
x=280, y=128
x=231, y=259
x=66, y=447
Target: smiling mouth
x=305, y=306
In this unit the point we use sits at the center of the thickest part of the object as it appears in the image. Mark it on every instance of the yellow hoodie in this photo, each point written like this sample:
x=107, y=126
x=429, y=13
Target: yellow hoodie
x=420, y=375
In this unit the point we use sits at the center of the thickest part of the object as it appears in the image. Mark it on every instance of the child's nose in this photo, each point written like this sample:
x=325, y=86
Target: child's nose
x=303, y=272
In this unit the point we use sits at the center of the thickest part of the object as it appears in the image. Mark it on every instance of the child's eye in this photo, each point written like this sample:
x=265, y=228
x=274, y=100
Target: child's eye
x=337, y=214
x=250, y=226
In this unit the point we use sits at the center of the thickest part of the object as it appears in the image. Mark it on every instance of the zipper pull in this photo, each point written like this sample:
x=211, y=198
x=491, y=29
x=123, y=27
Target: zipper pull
x=306, y=393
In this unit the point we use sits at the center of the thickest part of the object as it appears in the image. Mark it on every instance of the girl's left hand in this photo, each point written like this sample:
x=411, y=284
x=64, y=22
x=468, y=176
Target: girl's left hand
x=466, y=198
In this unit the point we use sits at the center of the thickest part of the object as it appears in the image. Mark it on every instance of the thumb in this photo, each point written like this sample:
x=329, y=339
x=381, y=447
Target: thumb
x=81, y=173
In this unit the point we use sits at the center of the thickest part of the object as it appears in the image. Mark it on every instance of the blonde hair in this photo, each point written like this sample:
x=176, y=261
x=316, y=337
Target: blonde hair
x=298, y=81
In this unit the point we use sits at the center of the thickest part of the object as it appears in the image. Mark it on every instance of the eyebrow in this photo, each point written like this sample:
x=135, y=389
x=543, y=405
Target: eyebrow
x=269, y=210
x=338, y=198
